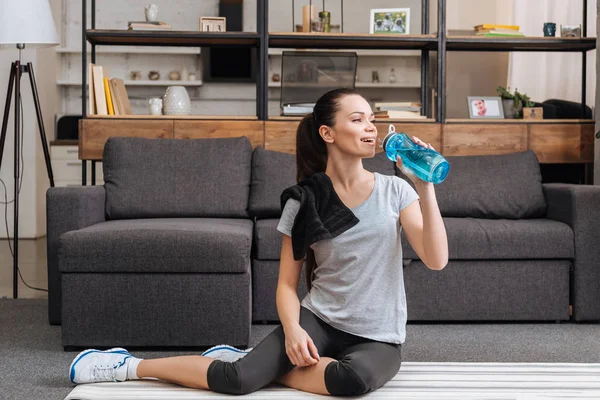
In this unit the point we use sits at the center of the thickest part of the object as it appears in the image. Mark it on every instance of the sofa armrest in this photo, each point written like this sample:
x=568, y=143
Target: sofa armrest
x=579, y=207
x=67, y=209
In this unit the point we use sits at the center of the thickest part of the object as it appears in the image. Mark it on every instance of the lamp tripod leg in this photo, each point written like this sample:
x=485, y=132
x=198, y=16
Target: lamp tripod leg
x=40, y=120
x=17, y=174
x=11, y=81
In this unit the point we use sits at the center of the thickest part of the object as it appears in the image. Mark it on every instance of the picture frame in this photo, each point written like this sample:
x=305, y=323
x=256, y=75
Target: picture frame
x=485, y=107
x=390, y=21
x=570, y=31
x=212, y=24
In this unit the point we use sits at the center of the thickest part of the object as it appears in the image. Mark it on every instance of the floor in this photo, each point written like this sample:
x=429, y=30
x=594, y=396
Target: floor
x=32, y=264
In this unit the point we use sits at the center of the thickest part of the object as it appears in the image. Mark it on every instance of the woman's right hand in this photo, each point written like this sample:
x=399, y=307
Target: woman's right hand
x=300, y=348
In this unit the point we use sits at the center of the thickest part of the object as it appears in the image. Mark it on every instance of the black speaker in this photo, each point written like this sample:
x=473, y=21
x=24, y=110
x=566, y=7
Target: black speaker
x=233, y=11
x=225, y=64
x=67, y=127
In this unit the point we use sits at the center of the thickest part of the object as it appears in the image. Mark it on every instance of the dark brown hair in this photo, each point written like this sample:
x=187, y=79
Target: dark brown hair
x=311, y=150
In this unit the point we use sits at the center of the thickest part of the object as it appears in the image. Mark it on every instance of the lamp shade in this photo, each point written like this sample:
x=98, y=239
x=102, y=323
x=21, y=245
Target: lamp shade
x=27, y=21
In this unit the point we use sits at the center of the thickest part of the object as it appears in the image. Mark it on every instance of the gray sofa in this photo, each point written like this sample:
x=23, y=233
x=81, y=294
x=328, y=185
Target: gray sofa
x=519, y=250
x=180, y=248
x=159, y=255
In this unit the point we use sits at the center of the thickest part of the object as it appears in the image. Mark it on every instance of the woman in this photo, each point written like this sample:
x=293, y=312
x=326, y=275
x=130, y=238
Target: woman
x=345, y=336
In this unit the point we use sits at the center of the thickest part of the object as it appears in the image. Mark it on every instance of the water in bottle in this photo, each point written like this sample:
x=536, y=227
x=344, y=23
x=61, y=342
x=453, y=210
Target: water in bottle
x=426, y=164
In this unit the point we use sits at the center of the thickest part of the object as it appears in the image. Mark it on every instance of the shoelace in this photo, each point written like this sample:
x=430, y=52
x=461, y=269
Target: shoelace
x=104, y=373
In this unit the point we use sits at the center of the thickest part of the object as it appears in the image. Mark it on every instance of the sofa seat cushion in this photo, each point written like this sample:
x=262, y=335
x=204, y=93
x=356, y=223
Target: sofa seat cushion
x=493, y=239
x=171, y=245
x=267, y=239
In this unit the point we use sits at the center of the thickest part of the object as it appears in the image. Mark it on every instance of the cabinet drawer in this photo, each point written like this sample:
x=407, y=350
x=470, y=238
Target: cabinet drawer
x=70, y=170
x=64, y=152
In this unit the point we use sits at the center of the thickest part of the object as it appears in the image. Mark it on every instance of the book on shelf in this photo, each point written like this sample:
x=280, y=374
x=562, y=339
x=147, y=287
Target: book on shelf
x=148, y=26
x=91, y=95
x=109, y=101
x=497, y=30
x=109, y=95
x=483, y=27
x=395, y=114
x=145, y=22
x=99, y=94
x=122, y=99
x=297, y=109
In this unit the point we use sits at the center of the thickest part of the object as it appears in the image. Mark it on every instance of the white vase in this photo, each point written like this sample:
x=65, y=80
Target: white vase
x=176, y=101
x=151, y=11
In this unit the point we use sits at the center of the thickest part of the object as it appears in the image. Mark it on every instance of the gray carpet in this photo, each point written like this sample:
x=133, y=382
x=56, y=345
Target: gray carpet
x=33, y=364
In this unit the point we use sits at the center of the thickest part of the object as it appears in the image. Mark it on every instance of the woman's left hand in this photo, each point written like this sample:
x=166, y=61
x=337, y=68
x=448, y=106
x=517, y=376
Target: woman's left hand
x=406, y=171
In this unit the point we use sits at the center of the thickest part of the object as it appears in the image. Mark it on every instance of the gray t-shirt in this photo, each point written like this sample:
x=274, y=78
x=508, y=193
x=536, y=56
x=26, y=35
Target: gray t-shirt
x=359, y=285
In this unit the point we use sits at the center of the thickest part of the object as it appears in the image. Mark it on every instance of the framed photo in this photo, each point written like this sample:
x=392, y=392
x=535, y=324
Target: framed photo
x=572, y=31
x=390, y=21
x=485, y=107
x=212, y=24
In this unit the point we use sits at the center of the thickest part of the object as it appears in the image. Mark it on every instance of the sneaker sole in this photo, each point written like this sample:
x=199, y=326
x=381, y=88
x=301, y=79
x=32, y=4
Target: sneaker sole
x=117, y=350
x=223, y=347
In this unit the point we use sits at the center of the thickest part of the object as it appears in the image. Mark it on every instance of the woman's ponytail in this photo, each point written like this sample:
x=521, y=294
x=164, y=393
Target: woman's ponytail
x=311, y=150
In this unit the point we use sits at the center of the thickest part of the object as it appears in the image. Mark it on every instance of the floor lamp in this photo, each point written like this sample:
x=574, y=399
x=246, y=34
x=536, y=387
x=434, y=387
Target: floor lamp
x=24, y=23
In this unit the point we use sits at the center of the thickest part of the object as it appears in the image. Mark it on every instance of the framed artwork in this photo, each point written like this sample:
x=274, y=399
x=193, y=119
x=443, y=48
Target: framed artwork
x=390, y=21
x=485, y=107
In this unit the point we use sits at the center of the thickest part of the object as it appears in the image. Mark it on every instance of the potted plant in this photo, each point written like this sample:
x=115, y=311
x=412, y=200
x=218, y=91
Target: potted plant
x=507, y=102
x=511, y=102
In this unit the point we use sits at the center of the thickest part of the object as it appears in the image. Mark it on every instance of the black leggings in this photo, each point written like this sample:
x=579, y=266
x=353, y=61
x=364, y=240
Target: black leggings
x=362, y=365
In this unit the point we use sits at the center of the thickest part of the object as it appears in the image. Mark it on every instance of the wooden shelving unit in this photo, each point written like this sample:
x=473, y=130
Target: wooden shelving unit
x=172, y=38
x=554, y=141
x=478, y=43
x=299, y=40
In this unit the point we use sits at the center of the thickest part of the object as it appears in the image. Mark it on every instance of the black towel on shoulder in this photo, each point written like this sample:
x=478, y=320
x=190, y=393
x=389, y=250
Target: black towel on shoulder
x=322, y=215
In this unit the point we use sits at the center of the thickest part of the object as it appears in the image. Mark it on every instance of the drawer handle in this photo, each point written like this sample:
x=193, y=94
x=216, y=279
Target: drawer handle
x=72, y=151
x=73, y=162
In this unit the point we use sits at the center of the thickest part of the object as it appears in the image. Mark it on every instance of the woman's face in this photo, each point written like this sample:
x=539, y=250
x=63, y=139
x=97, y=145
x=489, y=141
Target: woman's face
x=354, y=132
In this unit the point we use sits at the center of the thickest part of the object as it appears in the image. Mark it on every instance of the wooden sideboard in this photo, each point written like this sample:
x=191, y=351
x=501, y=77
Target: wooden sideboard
x=554, y=141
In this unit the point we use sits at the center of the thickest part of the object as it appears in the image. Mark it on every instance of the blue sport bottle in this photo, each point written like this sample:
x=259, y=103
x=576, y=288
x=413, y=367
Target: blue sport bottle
x=426, y=164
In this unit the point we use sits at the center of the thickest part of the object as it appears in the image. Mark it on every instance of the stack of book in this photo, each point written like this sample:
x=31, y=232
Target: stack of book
x=107, y=96
x=497, y=30
x=147, y=26
x=399, y=110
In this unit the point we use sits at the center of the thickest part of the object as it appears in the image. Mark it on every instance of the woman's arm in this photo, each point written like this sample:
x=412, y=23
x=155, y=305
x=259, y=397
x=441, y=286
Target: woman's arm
x=424, y=228
x=288, y=304
x=299, y=346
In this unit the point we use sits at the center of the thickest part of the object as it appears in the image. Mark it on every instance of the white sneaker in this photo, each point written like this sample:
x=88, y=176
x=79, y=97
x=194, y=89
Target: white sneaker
x=225, y=353
x=100, y=366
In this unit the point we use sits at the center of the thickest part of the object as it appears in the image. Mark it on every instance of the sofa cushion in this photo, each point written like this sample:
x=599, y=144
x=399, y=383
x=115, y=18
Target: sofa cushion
x=265, y=275
x=267, y=239
x=494, y=239
x=380, y=163
x=170, y=245
x=163, y=178
x=494, y=186
x=274, y=171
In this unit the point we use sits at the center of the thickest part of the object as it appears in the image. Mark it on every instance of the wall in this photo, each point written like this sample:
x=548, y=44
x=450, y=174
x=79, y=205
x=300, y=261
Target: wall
x=32, y=215
x=473, y=73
